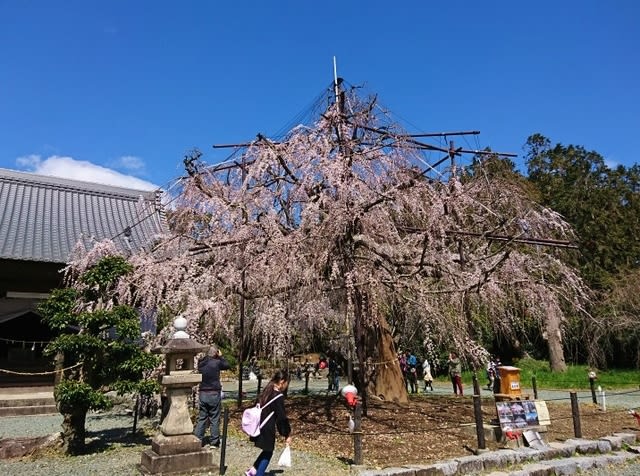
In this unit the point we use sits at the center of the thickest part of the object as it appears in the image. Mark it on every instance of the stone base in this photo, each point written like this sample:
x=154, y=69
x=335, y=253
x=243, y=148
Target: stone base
x=491, y=432
x=153, y=463
x=173, y=445
x=18, y=447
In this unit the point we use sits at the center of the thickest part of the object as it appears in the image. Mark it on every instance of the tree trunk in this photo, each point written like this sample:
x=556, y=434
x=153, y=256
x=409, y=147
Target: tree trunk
x=553, y=335
x=73, y=430
x=378, y=361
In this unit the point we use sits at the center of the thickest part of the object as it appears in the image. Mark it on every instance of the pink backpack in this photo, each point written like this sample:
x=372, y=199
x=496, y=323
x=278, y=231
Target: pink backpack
x=251, y=418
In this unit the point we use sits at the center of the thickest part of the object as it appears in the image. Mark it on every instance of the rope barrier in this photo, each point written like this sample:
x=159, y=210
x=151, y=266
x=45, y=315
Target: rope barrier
x=50, y=372
x=24, y=342
x=593, y=415
x=588, y=397
x=374, y=364
x=453, y=428
x=582, y=384
x=613, y=394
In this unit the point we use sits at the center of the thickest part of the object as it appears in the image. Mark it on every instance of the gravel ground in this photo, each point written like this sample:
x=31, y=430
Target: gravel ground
x=115, y=458
x=114, y=453
x=630, y=469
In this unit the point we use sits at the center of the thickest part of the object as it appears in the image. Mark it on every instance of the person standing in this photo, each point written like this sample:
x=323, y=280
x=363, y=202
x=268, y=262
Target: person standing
x=277, y=420
x=210, y=394
x=334, y=375
x=455, y=373
x=402, y=359
x=491, y=373
x=412, y=374
x=426, y=375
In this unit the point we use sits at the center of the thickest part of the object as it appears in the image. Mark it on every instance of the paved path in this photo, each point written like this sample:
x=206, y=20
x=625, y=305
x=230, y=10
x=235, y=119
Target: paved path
x=239, y=451
x=626, y=398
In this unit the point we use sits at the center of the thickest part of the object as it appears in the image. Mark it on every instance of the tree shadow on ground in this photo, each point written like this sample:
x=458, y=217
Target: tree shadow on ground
x=102, y=440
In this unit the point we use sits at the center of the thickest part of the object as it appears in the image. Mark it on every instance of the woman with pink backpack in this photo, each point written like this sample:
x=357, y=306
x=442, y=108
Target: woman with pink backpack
x=273, y=417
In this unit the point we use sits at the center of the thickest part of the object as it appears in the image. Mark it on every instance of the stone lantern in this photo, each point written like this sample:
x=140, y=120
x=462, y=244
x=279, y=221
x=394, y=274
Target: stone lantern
x=176, y=448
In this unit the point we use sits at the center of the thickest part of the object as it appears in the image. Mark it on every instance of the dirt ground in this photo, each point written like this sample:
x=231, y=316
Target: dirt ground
x=429, y=428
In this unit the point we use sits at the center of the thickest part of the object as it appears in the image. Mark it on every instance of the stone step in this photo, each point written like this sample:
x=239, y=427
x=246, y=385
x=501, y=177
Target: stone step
x=573, y=465
x=28, y=410
x=26, y=402
x=568, y=457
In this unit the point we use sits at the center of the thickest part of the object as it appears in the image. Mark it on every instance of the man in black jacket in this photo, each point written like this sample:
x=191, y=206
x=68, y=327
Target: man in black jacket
x=210, y=394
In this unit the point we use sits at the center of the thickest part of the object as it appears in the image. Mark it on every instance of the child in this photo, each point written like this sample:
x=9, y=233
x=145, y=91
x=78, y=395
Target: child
x=426, y=375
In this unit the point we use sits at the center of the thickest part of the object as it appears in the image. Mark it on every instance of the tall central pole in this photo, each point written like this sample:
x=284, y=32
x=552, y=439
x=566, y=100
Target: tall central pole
x=348, y=324
x=336, y=88
x=243, y=288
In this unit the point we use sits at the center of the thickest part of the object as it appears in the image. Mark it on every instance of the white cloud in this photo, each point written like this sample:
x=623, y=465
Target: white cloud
x=131, y=162
x=68, y=167
x=29, y=161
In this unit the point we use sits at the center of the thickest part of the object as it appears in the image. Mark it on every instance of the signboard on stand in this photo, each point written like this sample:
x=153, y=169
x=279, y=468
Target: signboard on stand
x=517, y=414
x=543, y=413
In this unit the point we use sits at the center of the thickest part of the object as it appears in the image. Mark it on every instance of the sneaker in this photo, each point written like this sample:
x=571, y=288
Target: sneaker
x=250, y=472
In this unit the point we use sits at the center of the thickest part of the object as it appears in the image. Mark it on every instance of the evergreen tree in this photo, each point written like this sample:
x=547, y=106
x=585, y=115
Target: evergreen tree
x=101, y=343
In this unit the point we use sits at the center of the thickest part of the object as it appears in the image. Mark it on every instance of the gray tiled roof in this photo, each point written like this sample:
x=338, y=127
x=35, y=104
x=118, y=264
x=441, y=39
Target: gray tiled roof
x=42, y=218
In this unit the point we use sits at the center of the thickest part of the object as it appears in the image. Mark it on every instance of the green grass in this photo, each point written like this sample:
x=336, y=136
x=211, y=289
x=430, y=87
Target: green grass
x=576, y=377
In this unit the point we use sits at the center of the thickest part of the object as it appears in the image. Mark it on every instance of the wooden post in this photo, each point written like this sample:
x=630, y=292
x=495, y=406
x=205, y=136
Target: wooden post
x=223, y=443
x=357, y=435
x=59, y=365
x=575, y=414
x=592, y=385
x=136, y=409
x=476, y=385
x=534, y=384
x=477, y=412
x=259, y=385
x=306, y=381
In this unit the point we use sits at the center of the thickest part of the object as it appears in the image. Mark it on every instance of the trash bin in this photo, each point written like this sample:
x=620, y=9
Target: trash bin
x=510, y=381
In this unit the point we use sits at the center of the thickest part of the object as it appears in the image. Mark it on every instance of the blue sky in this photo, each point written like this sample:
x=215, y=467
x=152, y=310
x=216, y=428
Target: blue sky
x=112, y=90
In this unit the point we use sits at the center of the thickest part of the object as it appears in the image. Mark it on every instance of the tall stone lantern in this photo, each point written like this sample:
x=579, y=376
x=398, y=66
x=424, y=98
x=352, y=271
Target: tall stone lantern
x=176, y=449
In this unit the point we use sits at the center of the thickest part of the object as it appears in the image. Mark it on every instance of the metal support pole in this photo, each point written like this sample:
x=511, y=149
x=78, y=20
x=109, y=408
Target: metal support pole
x=477, y=412
x=575, y=414
x=534, y=384
x=223, y=443
x=357, y=435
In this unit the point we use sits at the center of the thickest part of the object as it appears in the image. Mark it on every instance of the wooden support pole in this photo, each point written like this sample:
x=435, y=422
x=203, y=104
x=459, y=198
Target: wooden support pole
x=592, y=385
x=306, y=381
x=575, y=414
x=476, y=385
x=136, y=410
x=477, y=412
x=534, y=384
x=223, y=443
x=445, y=134
x=357, y=435
x=259, y=385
